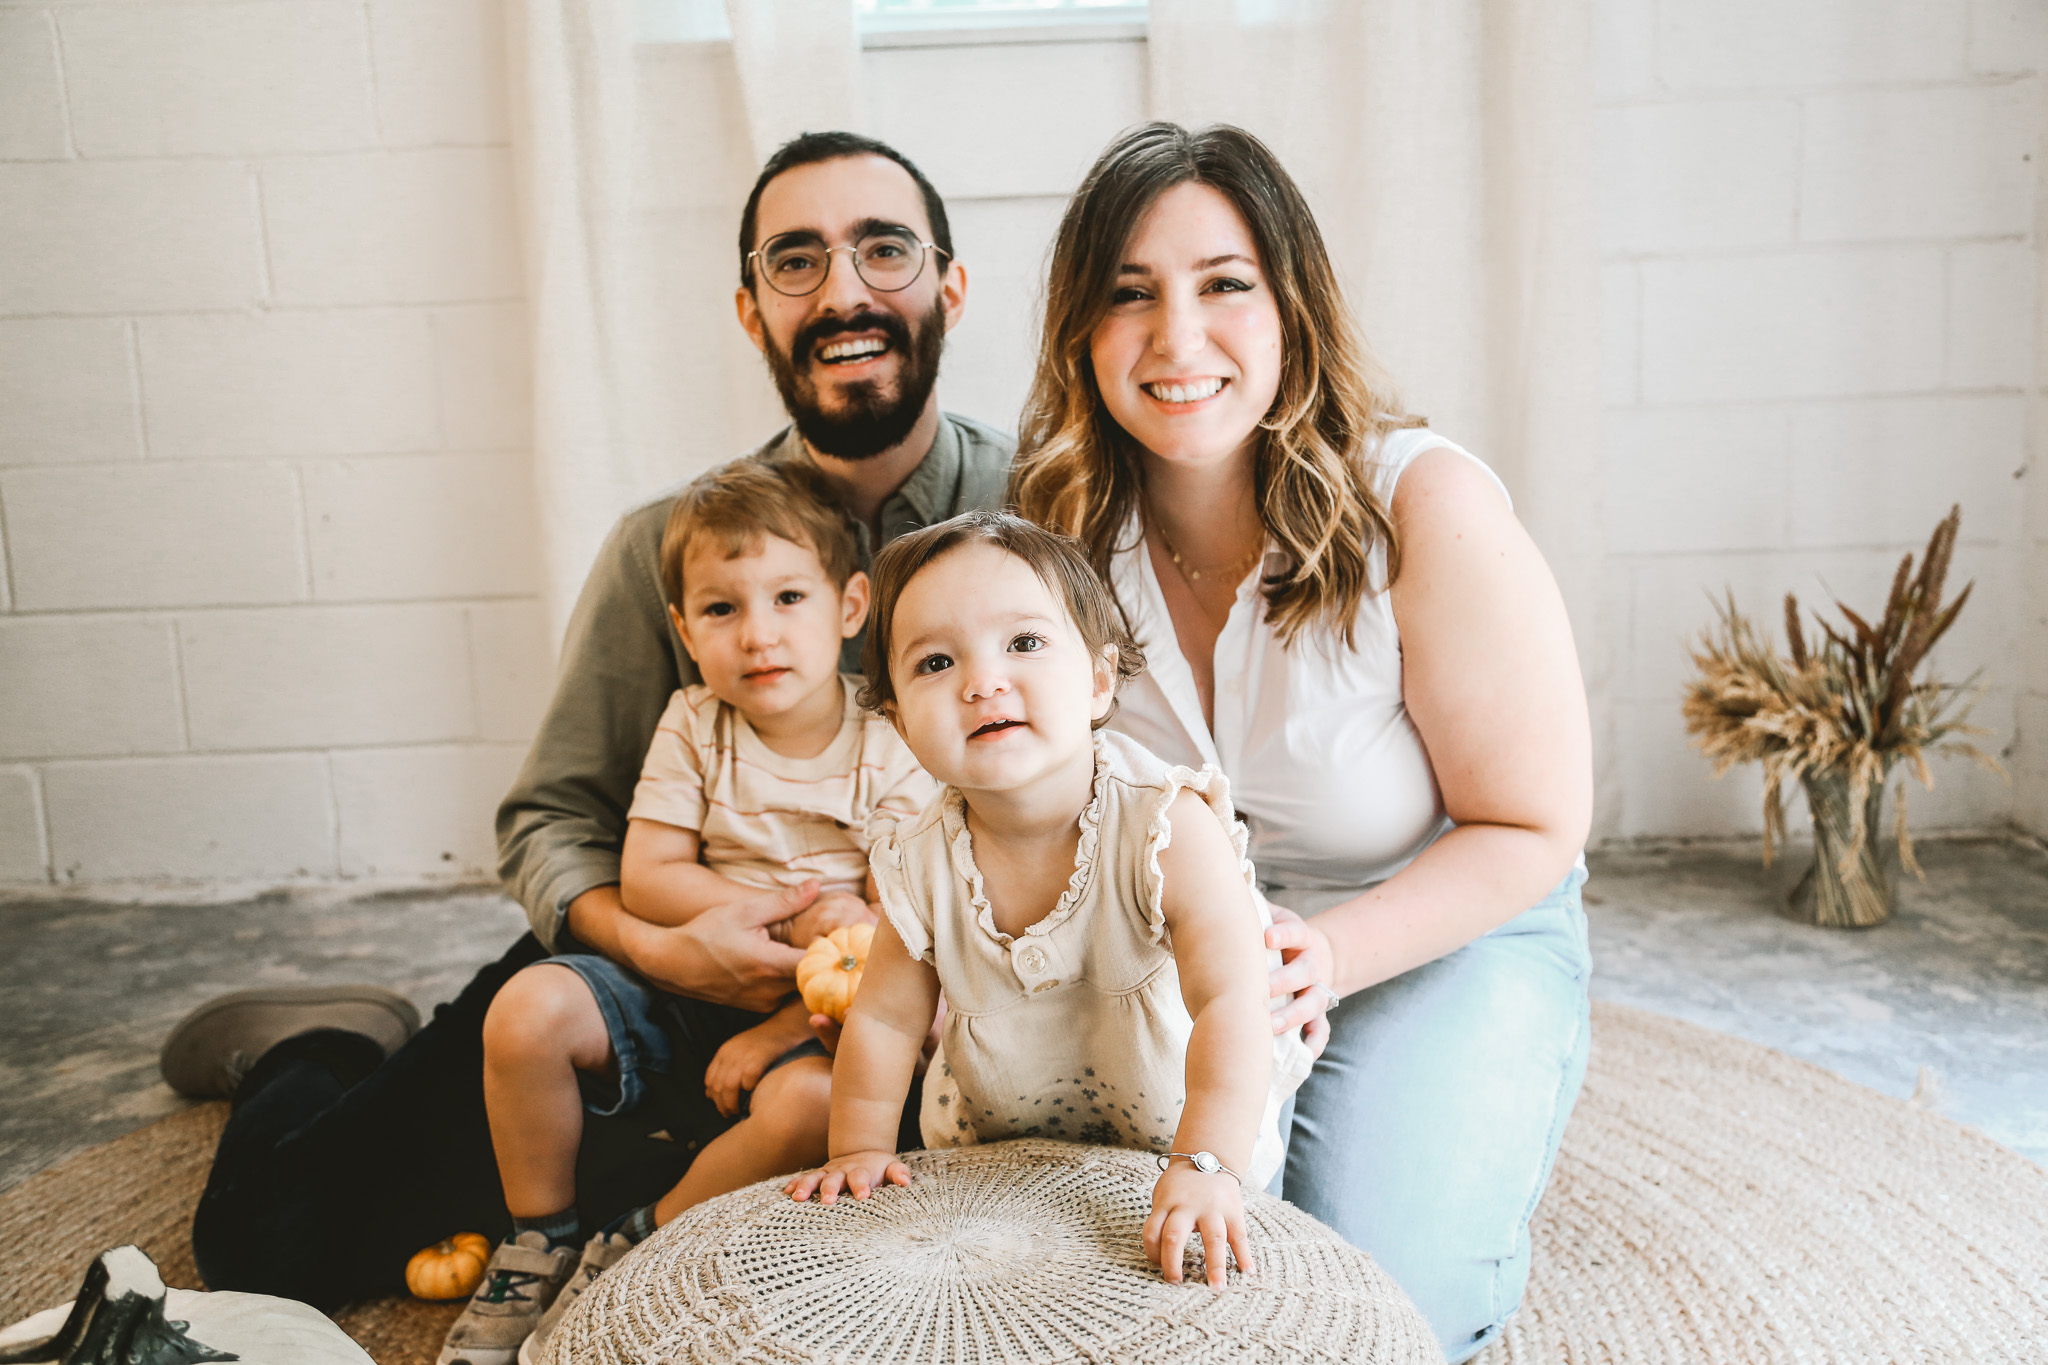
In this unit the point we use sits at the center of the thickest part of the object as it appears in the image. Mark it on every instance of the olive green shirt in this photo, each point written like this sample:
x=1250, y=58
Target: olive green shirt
x=563, y=823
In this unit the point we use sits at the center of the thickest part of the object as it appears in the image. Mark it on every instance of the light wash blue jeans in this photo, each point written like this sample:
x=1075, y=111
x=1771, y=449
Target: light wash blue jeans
x=1428, y=1127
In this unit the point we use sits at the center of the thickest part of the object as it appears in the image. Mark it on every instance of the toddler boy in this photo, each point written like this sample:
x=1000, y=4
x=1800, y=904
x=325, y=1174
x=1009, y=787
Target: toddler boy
x=761, y=776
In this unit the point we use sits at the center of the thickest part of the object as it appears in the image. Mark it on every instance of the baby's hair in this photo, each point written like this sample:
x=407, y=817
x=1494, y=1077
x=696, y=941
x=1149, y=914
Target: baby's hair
x=747, y=499
x=1058, y=560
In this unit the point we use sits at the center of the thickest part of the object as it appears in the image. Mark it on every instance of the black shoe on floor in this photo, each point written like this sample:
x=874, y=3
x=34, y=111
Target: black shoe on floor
x=214, y=1046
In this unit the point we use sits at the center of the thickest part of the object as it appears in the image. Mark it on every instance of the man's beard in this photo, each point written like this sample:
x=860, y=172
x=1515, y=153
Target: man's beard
x=872, y=419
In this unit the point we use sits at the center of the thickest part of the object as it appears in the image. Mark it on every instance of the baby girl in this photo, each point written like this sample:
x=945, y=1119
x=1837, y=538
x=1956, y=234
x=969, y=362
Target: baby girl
x=1086, y=907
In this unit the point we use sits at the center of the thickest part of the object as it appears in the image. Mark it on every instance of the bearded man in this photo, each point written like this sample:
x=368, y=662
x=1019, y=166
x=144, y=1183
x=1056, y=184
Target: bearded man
x=355, y=1141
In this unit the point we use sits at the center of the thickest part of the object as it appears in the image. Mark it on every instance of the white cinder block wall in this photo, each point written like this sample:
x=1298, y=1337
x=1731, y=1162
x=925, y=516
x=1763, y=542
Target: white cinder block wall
x=944, y=98
x=2030, y=764
x=269, y=600
x=1819, y=222
x=1051, y=107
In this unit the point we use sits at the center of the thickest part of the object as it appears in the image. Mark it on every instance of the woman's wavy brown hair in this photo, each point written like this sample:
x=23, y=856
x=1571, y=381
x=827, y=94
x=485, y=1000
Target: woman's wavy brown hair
x=1077, y=470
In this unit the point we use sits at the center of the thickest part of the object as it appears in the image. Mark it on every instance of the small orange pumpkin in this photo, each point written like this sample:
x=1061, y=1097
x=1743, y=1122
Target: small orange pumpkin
x=830, y=972
x=449, y=1269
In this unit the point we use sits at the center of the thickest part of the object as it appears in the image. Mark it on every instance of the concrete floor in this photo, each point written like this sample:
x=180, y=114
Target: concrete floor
x=88, y=990
x=1957, y=983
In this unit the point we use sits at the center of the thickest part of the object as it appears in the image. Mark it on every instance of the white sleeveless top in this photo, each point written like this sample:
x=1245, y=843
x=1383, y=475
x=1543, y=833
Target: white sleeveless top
x=1324, y=764
x=1074, y=1028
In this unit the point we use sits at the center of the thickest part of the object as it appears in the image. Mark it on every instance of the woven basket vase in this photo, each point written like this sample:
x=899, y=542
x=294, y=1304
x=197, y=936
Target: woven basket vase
x=1023, y=1253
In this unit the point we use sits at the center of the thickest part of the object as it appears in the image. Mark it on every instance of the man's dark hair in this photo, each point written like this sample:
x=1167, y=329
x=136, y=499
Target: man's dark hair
x=808, y=149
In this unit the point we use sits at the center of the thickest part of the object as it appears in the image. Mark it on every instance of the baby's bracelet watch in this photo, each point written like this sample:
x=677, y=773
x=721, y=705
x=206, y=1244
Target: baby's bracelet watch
x=1205, y=1162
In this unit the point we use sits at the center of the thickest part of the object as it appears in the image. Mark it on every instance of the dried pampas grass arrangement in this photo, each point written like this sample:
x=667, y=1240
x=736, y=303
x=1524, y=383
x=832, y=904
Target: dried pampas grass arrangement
x=1835, y=717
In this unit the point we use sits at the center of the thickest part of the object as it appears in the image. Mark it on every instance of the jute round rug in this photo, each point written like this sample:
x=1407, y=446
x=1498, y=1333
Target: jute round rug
x=1715, y=1201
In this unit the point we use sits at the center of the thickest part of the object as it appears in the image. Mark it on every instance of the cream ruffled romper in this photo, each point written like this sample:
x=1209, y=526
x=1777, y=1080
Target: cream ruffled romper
x=1075, y=1028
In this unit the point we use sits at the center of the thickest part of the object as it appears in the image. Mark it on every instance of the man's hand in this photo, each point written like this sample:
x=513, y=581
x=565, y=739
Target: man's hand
x=860, y=1174
x=724, y=955
x=740, y=1064
x=833, y=910
x=1186, y=1201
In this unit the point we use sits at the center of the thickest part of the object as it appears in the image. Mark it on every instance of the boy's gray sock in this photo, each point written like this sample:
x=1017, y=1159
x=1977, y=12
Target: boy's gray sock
x=561, y=1229
x=636, y=1226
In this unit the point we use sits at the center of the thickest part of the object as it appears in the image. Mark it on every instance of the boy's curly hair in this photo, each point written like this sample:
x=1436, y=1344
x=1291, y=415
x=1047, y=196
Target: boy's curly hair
x=749, y=498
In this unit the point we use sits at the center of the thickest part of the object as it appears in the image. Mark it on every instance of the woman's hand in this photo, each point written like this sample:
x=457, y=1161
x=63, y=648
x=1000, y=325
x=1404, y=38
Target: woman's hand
x=1307, y=967
x=1187, y=1201
x=860, y=1174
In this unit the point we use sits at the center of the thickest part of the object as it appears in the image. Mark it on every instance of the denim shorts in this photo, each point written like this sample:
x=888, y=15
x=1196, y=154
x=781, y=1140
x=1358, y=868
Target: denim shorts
x=649, y=1028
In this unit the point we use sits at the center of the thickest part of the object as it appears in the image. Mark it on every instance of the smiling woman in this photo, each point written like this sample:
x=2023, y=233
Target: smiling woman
x=1190, y=346
x=1341, y=613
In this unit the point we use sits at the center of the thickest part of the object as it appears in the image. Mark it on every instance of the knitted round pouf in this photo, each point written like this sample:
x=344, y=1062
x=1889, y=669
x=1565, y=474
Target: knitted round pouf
x=1023, y=1253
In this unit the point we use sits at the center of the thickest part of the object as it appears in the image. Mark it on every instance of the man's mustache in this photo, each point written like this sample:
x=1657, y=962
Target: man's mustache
x=816, y=334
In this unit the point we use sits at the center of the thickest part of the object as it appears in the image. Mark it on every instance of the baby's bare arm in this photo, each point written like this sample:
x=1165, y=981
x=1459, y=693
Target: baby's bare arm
x=871, y=1073
x=1221, y=957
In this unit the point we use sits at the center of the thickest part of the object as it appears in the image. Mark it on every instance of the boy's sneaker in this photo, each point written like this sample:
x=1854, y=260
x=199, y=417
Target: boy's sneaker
x=600, y=1253
x=522, y=1279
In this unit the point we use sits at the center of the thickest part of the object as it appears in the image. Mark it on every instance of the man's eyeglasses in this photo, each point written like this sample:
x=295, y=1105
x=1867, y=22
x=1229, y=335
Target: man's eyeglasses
x=889, y=259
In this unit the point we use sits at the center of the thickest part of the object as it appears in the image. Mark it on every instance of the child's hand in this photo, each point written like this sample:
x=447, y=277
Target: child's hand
x=739, y=1065
x=833, y=910
x=1186, y=1201
x=860, y=1174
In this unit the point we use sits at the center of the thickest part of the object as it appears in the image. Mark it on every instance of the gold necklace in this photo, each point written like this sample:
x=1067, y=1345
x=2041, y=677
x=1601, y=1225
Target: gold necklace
x=1236, y=569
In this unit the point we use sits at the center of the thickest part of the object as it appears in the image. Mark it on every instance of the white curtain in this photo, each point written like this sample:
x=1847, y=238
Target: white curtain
x=574, y=116
x=634, y=162
x=799, y=68
x=1447, y=148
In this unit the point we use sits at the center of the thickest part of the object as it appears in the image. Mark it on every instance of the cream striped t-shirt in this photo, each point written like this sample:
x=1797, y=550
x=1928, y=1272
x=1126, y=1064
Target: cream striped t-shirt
x=767, y=820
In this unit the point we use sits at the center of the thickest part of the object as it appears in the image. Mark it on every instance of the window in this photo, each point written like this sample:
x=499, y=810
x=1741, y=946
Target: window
x=697, y=21
x=682, y=21
x=885, y=15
